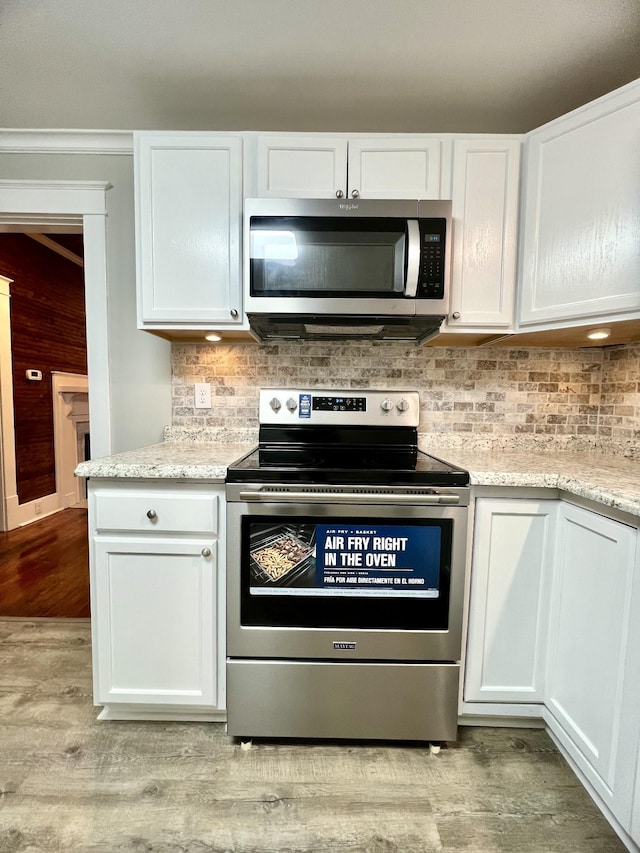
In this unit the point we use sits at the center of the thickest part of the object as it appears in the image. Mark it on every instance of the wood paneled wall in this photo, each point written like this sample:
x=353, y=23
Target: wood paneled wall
x=47, y=333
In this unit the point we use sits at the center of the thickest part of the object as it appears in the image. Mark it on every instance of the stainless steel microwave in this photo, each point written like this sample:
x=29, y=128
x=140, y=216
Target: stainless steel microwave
x=332, y=269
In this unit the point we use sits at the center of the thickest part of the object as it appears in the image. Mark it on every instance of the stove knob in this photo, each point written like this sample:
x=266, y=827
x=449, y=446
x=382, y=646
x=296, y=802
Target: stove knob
x=275, y=404
x=386, y=405
x=291, y=404
x=402, y=405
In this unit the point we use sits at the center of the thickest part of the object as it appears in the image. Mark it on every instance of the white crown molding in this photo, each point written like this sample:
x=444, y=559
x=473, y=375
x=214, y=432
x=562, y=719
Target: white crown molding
x=36, y=141
x=68, y=198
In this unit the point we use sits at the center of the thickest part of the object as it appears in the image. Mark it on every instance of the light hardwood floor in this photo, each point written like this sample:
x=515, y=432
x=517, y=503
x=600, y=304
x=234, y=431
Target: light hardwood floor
x=70, y=783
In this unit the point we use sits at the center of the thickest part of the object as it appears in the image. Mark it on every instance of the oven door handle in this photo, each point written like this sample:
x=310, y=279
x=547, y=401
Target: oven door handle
x=350, y=497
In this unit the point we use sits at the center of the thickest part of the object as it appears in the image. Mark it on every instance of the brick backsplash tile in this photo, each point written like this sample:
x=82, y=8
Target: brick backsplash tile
x=489, y=392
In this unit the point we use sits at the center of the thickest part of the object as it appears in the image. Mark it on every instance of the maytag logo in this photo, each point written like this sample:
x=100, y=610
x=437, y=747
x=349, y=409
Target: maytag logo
x=343, y=646
x=344, y=206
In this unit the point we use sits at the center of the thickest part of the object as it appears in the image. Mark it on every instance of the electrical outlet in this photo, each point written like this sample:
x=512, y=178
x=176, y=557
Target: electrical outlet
x=37, y=508
x=202, y=395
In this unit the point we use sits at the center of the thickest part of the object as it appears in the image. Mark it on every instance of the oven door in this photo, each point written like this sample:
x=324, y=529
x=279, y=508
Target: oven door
x=345, y=580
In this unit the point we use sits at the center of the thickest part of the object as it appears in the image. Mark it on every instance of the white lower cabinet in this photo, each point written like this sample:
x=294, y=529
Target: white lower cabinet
x=635, y=808
x=157, y=599
x=509, y=603
x=592, y=690
x=554, y=631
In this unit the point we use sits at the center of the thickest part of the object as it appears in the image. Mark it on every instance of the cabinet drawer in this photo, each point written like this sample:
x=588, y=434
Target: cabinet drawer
x=156, y=512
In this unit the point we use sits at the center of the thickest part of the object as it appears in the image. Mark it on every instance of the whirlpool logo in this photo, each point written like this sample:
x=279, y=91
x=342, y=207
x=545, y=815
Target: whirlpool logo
x=343, y=646
x=344, y=206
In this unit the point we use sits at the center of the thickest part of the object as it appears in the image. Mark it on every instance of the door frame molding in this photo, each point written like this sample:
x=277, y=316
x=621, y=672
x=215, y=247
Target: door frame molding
x=47, y=205
x=69, y=489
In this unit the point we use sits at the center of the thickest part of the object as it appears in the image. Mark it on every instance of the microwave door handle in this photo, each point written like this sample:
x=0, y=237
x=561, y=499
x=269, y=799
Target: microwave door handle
x=413, y=258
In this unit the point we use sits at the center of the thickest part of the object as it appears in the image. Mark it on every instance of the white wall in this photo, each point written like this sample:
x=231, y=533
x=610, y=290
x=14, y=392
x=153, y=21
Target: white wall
x=140, y=364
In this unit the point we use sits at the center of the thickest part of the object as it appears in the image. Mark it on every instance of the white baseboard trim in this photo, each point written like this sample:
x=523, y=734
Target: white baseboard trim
x=19, y=515
x=139, y=712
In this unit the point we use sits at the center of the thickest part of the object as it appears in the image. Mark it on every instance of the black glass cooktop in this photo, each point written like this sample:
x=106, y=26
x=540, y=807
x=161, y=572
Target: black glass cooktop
x=351, y=465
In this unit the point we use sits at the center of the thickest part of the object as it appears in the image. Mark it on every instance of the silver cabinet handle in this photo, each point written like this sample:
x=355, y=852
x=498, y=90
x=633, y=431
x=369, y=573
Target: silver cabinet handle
x=152, y=514
x=206, y=552
x=234, y=312
x=456, y=315
x=339, y=194
x=355, y=194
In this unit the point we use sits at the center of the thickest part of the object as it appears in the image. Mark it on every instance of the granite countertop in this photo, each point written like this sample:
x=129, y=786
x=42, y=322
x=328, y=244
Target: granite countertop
x=591, y=474
x=188, y=460
x=601, y=477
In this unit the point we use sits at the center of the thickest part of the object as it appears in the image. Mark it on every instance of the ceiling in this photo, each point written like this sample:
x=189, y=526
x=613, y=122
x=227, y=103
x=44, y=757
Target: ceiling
x=311, y=65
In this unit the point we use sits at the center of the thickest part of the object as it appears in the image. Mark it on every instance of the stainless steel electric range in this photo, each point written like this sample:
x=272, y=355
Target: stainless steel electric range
x=345, y=572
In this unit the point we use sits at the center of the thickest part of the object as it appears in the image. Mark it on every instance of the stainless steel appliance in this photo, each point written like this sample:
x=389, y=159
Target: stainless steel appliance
x=345, y=572
x=330, y=269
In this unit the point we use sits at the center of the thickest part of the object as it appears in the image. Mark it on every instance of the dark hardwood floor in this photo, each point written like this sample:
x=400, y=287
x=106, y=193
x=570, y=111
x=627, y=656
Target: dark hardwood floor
x=44, y=568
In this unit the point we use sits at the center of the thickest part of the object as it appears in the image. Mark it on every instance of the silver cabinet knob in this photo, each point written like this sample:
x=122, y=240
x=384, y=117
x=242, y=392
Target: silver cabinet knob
x=152, y=514
x=355, y=194
x=275, y=404
x=402, y=405
x=456, y=315
x=386, y=405
x=206, y=552
x=339, y=194
x=234, y=312
x=291, y=404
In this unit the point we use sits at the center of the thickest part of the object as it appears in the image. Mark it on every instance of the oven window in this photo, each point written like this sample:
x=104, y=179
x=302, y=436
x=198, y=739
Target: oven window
x=295, y=256
x=299, y=572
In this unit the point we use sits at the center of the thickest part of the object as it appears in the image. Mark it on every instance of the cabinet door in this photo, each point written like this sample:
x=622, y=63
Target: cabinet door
x=302, y=166
x=485, y=196
x=588, y=692
x=188, y=227
x=154, y=621
x=634, y=830
x=581, y=253
x=506, y=643
x=395, y=167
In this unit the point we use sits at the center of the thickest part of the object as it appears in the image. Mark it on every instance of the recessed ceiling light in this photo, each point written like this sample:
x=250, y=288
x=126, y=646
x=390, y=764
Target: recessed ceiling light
x=212, y=336
x=599, y=334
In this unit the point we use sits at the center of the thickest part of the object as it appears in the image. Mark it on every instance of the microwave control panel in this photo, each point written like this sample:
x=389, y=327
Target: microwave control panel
x=432, y=256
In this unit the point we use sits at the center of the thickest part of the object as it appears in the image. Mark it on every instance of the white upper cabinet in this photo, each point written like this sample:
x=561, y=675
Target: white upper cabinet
x=305, y=166
x=188, y=226
x=301, y=167
x=581, y=235
x=485, y=198
x=395, y=167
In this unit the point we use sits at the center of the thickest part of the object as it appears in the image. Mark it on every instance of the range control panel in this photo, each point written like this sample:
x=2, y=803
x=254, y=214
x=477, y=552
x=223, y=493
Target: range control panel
x=339, y=404
x=321, y=407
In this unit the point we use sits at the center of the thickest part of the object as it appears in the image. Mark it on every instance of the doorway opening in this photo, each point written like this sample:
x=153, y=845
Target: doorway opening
x=33, y=553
